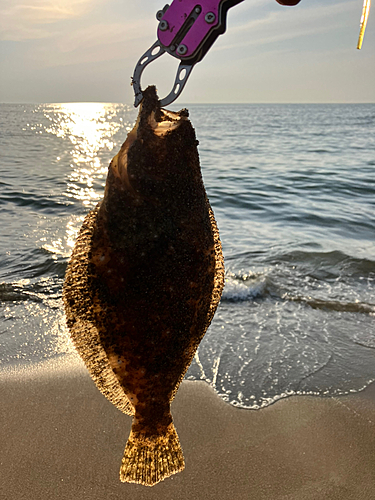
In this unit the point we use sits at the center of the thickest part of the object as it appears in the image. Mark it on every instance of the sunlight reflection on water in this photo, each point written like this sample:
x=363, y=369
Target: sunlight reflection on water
x=89, y=128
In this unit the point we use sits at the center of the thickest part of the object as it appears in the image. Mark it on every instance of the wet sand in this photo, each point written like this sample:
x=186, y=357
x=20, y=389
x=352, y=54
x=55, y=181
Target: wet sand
x=60, y=439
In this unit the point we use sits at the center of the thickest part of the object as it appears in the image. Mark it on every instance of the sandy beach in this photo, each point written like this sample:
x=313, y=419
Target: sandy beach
x=61, y=439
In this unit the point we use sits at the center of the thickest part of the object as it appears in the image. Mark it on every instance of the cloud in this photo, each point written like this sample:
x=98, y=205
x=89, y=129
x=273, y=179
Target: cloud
x=32, y=19
x=93, y=43
x=289, y=23
x=102, y=35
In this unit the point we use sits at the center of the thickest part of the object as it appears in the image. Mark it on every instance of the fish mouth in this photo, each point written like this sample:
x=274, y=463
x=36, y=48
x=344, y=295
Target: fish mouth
x=153, y=121
x=169, y=122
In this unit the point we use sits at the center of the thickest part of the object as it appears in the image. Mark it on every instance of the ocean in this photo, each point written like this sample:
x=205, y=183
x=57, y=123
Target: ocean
x=293, y=191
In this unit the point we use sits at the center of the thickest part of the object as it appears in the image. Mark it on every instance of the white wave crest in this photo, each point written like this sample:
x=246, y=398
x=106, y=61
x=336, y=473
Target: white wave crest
x=245, y=287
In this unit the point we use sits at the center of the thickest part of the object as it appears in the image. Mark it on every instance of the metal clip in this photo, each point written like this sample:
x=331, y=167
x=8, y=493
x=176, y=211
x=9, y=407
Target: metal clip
x=150, y=55
x=186, y=31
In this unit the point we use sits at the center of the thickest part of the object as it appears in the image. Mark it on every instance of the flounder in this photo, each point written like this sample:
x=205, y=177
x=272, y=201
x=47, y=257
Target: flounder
x=143, y=283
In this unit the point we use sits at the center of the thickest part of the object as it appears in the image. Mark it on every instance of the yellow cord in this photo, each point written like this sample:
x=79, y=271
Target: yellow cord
x=364, y=18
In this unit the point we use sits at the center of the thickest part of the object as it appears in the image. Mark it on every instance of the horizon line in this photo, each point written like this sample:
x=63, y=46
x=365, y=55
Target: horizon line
x=189, y=104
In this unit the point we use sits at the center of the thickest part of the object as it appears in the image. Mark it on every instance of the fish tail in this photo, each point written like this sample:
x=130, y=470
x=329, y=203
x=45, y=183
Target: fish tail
x=151, y=459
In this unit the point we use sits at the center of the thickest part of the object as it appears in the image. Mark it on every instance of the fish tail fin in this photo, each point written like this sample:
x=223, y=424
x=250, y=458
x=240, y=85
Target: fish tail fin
x=150, y=459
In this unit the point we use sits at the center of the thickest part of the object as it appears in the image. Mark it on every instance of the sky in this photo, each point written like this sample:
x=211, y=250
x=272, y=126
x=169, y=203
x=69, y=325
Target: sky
x=86, y=50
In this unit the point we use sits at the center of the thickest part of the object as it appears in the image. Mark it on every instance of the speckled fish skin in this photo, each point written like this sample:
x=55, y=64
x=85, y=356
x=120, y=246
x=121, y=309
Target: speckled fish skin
x=144, y=281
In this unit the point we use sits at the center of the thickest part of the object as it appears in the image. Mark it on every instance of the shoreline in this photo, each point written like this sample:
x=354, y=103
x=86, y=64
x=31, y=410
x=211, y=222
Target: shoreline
x=62, y=439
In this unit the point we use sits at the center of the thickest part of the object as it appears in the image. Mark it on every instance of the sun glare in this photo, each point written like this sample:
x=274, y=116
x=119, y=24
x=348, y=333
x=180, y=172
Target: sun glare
x=88, y=131
x=89, y=128
x=364, y=19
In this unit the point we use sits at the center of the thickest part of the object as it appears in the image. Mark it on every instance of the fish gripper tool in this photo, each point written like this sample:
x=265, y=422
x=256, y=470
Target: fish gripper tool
x=187, y=29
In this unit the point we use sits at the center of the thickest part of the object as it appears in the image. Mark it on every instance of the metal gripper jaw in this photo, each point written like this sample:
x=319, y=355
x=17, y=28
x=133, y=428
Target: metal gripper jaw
x=150, y=55
x=186, y=31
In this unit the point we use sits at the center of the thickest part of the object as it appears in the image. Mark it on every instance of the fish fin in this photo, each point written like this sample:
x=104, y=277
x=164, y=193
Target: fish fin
x=79, y=301
x=216, y=293
x=86, y=340
x=219, y=266
x=150, y=459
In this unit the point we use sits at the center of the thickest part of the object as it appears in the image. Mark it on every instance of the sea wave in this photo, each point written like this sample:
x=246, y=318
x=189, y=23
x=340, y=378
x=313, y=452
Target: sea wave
x=257, y=286
x=45, y=291
x=293, y=193
x=333, y=305
x=42, y=204
x=244, y=287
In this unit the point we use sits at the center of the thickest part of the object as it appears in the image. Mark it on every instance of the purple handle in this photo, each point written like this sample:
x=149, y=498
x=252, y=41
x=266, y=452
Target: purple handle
x=176, y=16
